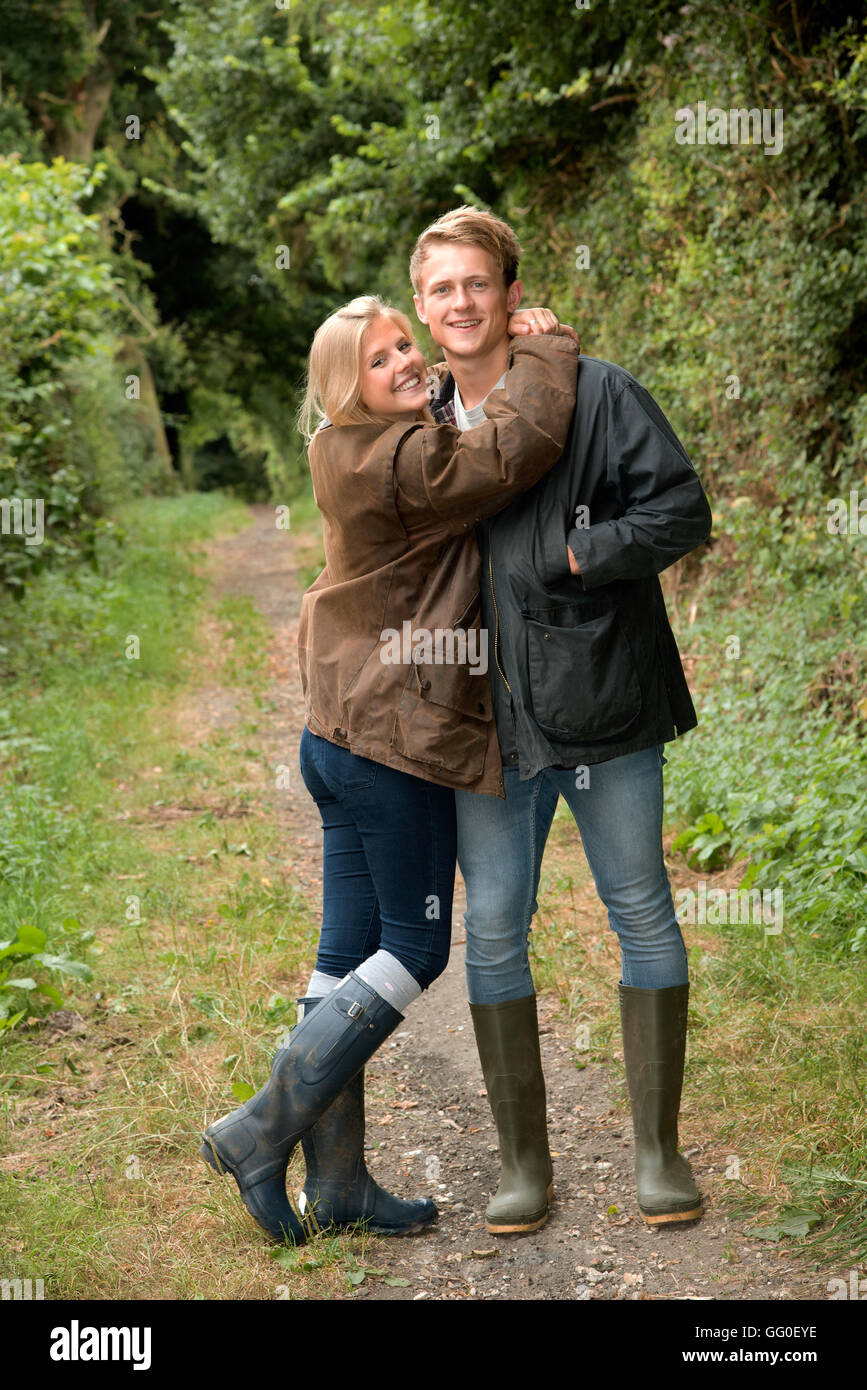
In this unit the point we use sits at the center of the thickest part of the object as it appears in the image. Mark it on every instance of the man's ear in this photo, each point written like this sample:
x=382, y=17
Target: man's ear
x=417, y=301
x=515, y=295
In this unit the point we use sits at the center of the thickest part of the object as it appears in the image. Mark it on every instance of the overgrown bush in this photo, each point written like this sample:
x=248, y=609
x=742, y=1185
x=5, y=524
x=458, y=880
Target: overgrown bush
x=71, y=443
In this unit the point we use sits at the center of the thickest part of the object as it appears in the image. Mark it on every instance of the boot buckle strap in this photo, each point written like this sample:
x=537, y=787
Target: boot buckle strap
x=355, y=1009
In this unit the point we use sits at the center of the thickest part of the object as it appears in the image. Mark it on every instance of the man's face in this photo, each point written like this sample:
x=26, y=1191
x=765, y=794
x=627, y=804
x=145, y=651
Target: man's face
x=463, y=299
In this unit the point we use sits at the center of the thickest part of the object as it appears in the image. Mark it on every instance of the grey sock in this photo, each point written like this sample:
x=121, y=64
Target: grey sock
x=384, y=973
x=322, y=984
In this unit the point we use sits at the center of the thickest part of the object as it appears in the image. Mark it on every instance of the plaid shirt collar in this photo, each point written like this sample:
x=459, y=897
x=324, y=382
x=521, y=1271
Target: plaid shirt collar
x=443, y=405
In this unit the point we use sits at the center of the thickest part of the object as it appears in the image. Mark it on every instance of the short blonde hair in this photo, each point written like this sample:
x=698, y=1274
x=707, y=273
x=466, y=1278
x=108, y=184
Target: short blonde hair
x=473, y=227
x=333, y=392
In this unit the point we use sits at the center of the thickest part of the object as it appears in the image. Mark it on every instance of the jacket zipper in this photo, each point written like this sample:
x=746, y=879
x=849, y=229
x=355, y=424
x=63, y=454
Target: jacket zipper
x=496, y=621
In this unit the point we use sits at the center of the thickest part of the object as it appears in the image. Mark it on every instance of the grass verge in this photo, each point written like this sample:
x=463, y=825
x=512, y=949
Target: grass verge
x=143, y=812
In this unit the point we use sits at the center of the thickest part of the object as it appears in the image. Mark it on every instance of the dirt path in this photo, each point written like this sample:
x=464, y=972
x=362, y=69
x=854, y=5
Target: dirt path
x=427, y=1112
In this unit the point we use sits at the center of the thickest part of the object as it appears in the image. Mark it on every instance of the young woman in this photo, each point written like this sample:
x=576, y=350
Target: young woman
x=398, y=713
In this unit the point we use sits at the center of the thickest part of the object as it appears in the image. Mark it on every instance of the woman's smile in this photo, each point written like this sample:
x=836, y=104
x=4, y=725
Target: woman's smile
x=413, y=381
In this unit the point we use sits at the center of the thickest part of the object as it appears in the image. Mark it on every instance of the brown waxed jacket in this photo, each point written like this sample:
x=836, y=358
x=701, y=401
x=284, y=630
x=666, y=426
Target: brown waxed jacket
x=391, y=651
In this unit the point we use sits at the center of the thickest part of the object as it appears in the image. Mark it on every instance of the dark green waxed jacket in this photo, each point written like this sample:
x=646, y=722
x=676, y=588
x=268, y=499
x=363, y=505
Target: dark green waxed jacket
x=586, y=667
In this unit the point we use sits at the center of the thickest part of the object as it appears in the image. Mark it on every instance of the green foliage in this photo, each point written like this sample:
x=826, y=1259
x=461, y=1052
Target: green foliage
x=774, y=775
x=792, y=1221
x=57, y=286
x=705, y=843
x=59, y=60
x=798, y=815
x=16, y=134
x=732, y=281
x=71, y=444
x=26, y=952
x=33, y=832
x=70, y=697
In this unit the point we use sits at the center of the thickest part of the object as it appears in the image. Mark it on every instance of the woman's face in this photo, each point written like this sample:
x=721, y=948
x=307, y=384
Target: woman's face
x=392, y=371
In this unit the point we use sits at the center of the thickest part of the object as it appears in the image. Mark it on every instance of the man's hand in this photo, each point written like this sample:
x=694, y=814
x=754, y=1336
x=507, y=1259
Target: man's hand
x=525, y=321
x=573, y=563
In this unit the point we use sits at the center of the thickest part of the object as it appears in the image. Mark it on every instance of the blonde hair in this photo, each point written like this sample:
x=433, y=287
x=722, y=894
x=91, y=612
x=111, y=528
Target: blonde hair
x=474, y=227
x=333, y=393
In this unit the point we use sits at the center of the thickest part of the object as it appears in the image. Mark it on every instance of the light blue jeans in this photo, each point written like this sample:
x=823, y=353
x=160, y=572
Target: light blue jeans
x=500, y=848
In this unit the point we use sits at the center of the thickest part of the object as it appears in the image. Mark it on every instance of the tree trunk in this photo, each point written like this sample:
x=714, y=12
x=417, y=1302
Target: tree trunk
x=89, y=100
x=73, y=136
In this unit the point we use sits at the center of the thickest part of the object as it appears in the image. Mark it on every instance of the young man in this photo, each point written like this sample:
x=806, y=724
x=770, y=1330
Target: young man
x=587, y=687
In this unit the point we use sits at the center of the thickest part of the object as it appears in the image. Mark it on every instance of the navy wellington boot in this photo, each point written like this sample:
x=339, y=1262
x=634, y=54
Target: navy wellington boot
x=321, y=1055
x=338, y=1190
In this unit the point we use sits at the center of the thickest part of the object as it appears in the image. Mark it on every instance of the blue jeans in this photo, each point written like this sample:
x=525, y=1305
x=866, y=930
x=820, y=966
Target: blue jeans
x=389, y=846
x=500, y=848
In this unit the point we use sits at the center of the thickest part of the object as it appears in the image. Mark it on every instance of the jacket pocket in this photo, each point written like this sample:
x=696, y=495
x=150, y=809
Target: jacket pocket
x=456, y=677
x=441, y=737
x=583, y=682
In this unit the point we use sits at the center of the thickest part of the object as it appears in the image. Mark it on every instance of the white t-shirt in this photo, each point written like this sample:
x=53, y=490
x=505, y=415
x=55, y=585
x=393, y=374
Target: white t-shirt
x=468, y=419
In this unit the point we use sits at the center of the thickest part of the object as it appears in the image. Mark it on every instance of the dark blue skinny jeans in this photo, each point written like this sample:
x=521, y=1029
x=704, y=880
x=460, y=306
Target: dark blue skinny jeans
x=390, y=848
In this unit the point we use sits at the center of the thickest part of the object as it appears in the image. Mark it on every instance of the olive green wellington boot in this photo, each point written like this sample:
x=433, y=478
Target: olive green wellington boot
x=654, y=1041
x=507, y=1036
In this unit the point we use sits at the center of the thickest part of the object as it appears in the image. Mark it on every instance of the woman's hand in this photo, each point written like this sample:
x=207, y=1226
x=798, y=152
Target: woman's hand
x=525, y=321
